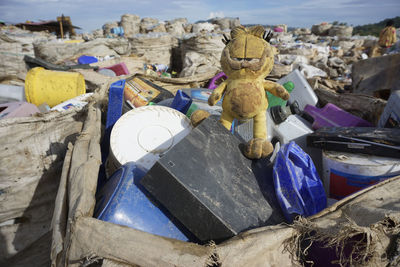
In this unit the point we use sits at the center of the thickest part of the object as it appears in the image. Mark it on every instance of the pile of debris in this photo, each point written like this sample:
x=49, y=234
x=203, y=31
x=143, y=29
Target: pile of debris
x=105, y=118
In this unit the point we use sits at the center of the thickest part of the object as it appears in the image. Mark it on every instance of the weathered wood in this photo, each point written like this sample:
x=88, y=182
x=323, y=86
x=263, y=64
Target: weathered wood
x=367, y=107
x=376, y=74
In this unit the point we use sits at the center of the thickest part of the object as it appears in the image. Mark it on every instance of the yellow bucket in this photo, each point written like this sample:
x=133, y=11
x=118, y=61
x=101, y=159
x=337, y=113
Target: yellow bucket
x=52, y=87
x=73, y=41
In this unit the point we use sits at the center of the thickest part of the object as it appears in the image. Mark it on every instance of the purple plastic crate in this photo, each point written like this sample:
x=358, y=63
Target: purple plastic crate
x=333, y=116
x=17, y=109
x=212, y=84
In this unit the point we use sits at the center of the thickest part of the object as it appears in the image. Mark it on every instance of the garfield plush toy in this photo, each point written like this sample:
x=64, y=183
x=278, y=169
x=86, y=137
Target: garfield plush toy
x=247, y=59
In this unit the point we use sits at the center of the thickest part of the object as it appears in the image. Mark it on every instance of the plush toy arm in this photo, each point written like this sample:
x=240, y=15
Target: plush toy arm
x=217, y=94
x=276, y=89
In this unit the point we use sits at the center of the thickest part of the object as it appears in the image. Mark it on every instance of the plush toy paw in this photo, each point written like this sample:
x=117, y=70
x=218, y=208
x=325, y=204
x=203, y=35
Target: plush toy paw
x=285, y=96
x=258, y=148
x=283, y=93
x=198, y=116
x=214, y=98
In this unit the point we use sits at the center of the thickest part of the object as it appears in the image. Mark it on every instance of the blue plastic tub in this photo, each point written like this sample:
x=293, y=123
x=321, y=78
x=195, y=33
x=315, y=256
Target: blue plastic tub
x=122, y=201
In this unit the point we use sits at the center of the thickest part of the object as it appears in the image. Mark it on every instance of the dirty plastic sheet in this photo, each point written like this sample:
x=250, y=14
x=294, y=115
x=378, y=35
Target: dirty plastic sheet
x=89, y=240
x=174, y=84
x=201, y=54
x=57, y=53
x=31, y=160
x=367, y=222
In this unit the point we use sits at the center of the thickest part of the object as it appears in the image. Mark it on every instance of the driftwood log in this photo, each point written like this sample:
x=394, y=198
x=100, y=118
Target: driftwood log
x=367, y=107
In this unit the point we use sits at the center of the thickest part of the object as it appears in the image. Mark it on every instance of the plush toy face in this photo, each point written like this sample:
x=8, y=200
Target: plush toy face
x=247, y=55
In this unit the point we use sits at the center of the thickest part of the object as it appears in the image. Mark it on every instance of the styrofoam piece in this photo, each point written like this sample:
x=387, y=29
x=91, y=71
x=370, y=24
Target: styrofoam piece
x=76, y=102
x=144, y=134
x=310, y=71
x=346, y=173
x=302, y=92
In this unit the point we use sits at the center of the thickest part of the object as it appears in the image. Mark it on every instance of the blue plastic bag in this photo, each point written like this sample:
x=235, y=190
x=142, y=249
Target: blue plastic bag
x=297, y=185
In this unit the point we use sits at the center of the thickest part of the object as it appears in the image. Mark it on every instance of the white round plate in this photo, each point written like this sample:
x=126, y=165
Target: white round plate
x=144, y=134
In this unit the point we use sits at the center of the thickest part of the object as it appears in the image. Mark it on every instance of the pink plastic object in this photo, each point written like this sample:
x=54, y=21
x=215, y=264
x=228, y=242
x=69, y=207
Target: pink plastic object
x=17, y=109
x=119, y=69
x=333, y=116
x=212, y=84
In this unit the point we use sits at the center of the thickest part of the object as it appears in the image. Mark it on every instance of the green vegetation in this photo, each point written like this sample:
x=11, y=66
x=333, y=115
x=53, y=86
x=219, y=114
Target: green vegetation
x=374, y=29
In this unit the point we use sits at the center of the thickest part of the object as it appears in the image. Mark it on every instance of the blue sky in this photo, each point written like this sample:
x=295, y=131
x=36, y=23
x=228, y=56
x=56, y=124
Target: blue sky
x=91, y=15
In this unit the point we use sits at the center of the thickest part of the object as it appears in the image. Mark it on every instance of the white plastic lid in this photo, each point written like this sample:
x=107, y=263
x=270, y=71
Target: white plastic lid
x=144, y=134
x=356, y=159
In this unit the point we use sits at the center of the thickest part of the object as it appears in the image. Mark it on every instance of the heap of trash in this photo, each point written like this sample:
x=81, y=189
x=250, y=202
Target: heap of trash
x=100, y=163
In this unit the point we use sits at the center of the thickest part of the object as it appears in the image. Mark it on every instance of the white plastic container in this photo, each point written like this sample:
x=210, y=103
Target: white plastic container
x=294, y=128
x=144, y=134
x=390, y=117
x=302, y=92
x=11, y=93
x=346, y=173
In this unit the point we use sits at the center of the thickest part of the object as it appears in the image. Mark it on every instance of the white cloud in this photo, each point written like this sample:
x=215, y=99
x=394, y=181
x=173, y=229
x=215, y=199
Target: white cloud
x=218, y=14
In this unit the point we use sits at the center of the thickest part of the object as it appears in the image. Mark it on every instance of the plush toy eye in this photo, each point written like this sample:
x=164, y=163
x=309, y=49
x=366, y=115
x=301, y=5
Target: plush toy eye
x=252, y=60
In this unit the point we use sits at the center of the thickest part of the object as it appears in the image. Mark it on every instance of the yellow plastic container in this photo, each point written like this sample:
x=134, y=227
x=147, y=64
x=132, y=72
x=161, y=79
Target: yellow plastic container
x=73, y=41
x=52, y=87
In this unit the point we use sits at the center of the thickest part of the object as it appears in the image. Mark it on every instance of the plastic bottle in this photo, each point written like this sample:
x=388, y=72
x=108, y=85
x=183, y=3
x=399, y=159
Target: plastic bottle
x=276, y=101
x=302, y=91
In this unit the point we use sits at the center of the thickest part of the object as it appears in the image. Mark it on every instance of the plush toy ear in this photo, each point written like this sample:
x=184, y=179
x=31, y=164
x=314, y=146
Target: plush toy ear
x=225, y=40
x=267, y=36
x=238, y=31
x=257, y=31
